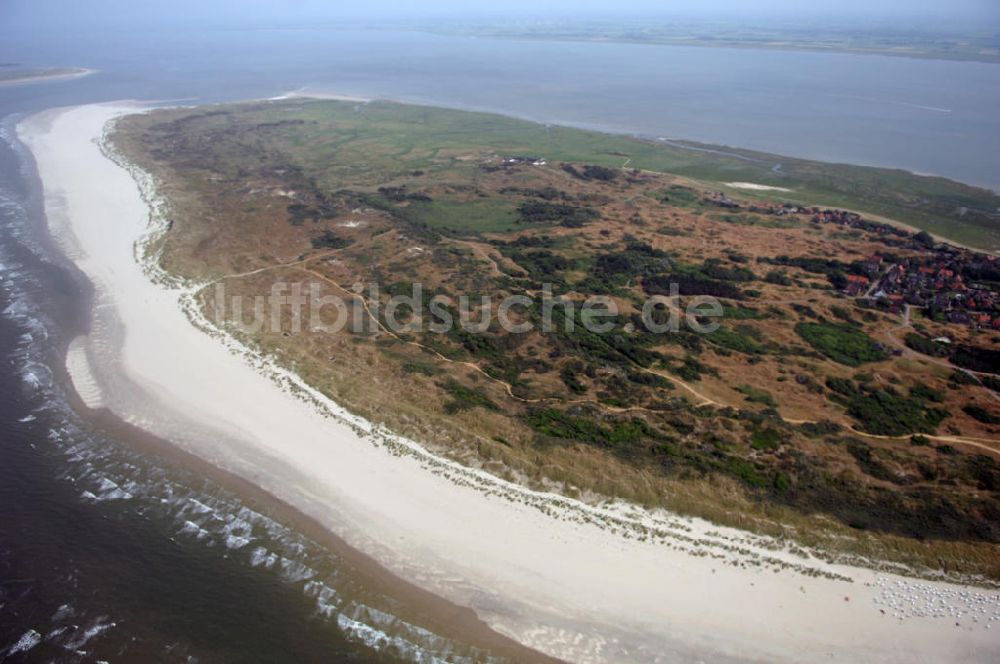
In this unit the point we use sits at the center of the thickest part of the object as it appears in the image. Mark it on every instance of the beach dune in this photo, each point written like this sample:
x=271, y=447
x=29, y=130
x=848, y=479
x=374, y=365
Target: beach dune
x=561, y=582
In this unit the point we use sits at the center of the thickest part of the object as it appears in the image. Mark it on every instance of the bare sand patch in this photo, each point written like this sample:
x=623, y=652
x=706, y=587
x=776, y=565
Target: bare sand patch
x=753, y=186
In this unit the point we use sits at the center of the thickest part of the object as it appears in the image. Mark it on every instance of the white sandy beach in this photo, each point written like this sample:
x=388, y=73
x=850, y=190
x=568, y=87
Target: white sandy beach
x=753, y=186
x=307, y=93
x=553, y=581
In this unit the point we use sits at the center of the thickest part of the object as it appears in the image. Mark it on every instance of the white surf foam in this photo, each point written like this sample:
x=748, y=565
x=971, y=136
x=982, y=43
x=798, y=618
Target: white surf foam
x=28, y=640
x=81, y=374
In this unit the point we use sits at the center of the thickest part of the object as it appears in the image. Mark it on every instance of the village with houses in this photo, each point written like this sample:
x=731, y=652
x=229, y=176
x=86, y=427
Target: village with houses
x=950, y=284
x=937, y=285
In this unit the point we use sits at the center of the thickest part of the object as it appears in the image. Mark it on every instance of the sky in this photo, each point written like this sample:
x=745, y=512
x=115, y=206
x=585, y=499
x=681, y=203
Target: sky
x=68, y=13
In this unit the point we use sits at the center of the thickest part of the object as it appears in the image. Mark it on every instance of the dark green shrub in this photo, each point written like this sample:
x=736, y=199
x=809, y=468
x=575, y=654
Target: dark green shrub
x=845, y=344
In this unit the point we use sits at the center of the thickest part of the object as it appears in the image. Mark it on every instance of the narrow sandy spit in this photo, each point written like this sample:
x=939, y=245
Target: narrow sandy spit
x=753, y=186
x=79, y=72
x=535, y=568
x=306, y=93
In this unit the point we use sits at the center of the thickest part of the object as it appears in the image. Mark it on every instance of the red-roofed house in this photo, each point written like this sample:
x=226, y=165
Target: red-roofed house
x=856, y=284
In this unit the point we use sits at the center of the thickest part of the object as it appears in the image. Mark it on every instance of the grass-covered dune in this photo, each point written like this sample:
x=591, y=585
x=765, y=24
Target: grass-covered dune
x=801, y=410
x=386, y=133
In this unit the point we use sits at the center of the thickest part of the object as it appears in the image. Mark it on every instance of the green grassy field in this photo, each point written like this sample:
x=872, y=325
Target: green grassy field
x=479, y=216
x=380, y=141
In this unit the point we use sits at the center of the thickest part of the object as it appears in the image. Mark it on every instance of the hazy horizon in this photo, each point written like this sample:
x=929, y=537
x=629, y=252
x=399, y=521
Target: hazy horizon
x=19, y=14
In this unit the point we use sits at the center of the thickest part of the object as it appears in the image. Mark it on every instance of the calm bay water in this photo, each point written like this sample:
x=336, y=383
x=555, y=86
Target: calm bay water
x=108, y=553
x=927, y=116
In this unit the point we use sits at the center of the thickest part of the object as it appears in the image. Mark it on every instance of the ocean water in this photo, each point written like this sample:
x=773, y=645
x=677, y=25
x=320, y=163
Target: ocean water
x=108, y=553
x=928, y=116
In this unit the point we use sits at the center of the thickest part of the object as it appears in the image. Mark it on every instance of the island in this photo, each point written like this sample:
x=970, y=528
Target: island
x=609, y=392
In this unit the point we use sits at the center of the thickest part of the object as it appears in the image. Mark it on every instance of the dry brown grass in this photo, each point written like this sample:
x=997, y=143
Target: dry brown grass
x=222, y=230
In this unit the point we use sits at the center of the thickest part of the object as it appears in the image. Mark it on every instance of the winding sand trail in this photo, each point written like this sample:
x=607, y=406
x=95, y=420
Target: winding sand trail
x=586, y=583
x=985, y=444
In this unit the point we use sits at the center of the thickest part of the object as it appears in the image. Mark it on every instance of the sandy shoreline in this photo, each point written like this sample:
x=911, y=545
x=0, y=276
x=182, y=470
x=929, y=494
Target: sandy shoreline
x=410, y=603
x=561, y=584
x=78, y=72
x=753, y=186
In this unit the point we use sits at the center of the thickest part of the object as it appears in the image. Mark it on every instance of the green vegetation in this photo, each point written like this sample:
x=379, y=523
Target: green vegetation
x=888, y=414
x=842, y=343
x=592, y=172
x=778, y=277
x=298, y=213
x=613, y=271
x=739, y=312
x=843, y=314
x=541, y=265
x=688, y=284
x=760, y=220
x=834, y=269
x=423, y=368
x=482, y=215
x=464, y=398
x=691, y=370
x=493, y=350
x=925, y=393
x=820, y=429
x=869, y=462
x=757, y=395
x=745, y=471
x=615, y=348
x=570, y=216
x=885, y=412
x=424, y=176
x=765, y=439
x=679, y=196
x=990, y=382
x=458, y=217
x=330, y=240
x=650, y=380
x=742, y=339
x=558, y=424
x=973, y=358
x=959, y=377
x=714, y=268
x=981, y=414
x=393, y=139
x=922, y=344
